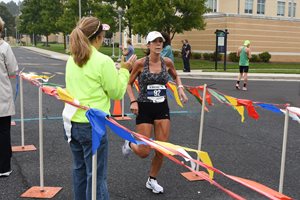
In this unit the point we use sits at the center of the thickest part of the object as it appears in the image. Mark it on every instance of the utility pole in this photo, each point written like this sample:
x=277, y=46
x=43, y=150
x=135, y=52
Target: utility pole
x=79, y=3
x=120, y=31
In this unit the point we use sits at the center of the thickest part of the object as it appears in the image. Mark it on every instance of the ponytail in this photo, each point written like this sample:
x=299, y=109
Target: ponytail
x=79, y=47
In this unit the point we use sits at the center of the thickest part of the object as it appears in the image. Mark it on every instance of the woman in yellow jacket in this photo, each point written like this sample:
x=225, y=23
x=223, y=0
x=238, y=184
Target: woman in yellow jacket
x=92, y=79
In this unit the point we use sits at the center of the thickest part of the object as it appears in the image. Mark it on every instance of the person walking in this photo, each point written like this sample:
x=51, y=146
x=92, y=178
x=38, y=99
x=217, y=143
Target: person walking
x=244, y=52
x=151, y=106
x=8, y=67
x=92, y=79
x=129, y=51
x=186, y=55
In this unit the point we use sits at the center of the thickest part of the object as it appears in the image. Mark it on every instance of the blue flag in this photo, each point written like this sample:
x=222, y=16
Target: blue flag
x=98, y=121
x=270, y=107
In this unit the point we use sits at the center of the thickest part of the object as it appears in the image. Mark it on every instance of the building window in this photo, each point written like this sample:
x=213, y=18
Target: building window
x=292, y=9
x=280, y=8
x=249, y=6
x=139, y=38
x=212, y=5
x=261, y=7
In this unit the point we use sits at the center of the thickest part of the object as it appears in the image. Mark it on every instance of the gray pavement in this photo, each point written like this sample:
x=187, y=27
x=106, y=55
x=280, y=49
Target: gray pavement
x=194, y=74
x=250, y=150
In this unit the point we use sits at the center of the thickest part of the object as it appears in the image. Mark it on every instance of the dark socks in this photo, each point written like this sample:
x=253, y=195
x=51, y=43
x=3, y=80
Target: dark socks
x=245, y=84
x=151, y=177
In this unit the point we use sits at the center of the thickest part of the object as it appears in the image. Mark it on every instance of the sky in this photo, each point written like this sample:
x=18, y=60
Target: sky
x=6, y=1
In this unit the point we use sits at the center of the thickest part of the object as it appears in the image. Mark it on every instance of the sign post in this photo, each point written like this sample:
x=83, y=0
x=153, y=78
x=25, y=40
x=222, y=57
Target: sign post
x=221, y=46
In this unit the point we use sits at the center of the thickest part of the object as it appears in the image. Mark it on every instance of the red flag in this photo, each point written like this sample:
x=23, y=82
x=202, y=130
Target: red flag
x=250, y=108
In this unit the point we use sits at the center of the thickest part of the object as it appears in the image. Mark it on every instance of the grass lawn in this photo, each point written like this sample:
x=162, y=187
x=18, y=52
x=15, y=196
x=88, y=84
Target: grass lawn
x=288, y=68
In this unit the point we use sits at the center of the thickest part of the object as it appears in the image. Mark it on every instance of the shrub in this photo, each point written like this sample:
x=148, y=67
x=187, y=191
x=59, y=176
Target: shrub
x=196, y=55
x=176, y=54
x=213, y=56
x=233, y=57
x=265, y=56
x=206, y=56
x=254, y=58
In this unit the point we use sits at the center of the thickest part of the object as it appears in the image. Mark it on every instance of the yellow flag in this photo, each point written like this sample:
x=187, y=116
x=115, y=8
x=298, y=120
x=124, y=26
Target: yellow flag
x=240, y=109
x=204, y=157
x=176, y=95
x=64, y=95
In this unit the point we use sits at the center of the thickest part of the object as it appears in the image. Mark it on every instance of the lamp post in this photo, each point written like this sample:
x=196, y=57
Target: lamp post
x=120, y=31
x=5, y=34
x=79, y=5
x=16, y=36
x=113, y=46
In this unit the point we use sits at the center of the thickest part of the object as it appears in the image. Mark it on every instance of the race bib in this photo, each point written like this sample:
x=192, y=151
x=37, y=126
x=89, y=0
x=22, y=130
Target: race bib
x=156, y=93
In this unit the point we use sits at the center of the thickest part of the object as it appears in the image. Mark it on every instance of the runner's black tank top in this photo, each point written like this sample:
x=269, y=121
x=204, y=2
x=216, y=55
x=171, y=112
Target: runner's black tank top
x=147, y=78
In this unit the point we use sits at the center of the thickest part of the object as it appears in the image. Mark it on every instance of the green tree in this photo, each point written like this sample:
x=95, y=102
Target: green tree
x=8, y=19
x=31, y=18
x=127, y=16
x=67, y=21
x=104, y=11
x=50, y=12
x=12, y=7
x=107, y=14
x=171, y=16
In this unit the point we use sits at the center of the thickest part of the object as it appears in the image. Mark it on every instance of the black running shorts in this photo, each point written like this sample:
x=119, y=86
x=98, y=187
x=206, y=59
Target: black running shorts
x=148, y=112
x=244, y=69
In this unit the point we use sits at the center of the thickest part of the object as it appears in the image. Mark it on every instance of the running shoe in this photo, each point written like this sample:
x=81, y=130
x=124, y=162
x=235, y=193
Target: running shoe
x=245, y=89
x=154, y=186
x=5, y=174
x=237, y=86
x=126, y=150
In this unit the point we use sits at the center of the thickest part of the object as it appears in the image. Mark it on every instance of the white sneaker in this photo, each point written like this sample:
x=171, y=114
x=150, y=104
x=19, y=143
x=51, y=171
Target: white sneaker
x=245, y=89
x=237, y=86
x=154, y=186
x=5, y=174
x=126, y=150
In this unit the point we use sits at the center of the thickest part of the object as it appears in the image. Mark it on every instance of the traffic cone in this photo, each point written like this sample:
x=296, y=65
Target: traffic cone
x=118, y=113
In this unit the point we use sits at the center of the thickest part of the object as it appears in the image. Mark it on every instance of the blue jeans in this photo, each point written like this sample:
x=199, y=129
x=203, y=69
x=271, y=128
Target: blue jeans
x=81, y=147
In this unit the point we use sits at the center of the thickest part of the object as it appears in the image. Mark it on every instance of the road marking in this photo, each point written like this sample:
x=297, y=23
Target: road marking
x=46, y=73
x=40, y=64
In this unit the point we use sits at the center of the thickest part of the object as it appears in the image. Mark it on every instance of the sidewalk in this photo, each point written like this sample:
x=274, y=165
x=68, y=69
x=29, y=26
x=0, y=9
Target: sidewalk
x=194, y=74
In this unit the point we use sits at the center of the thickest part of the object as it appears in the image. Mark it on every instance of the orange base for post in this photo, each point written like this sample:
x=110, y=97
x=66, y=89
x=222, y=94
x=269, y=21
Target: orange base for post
x=120, y=118
x=23, y=148
x=117, y=112
x=41, y=192
x=194, y=177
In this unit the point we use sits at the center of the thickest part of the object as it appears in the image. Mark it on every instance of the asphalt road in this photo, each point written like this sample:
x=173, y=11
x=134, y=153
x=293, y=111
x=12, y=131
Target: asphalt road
x=250, y=150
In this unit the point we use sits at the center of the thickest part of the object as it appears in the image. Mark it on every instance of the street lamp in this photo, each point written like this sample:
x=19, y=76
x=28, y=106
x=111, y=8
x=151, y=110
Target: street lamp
x=79, y=3
x=120, y=31
x=5, y=34
x=16, y=36
x=113, y=47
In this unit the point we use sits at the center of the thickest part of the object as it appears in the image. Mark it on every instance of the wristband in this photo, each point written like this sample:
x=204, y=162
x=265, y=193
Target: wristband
x=134, y=101
x=180, y=86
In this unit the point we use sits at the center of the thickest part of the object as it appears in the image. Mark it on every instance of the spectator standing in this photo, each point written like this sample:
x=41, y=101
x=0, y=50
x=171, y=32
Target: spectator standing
x=188, y=53
x=167, y=49
x=92, y=79
x=8, y=67
x=129, y=51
